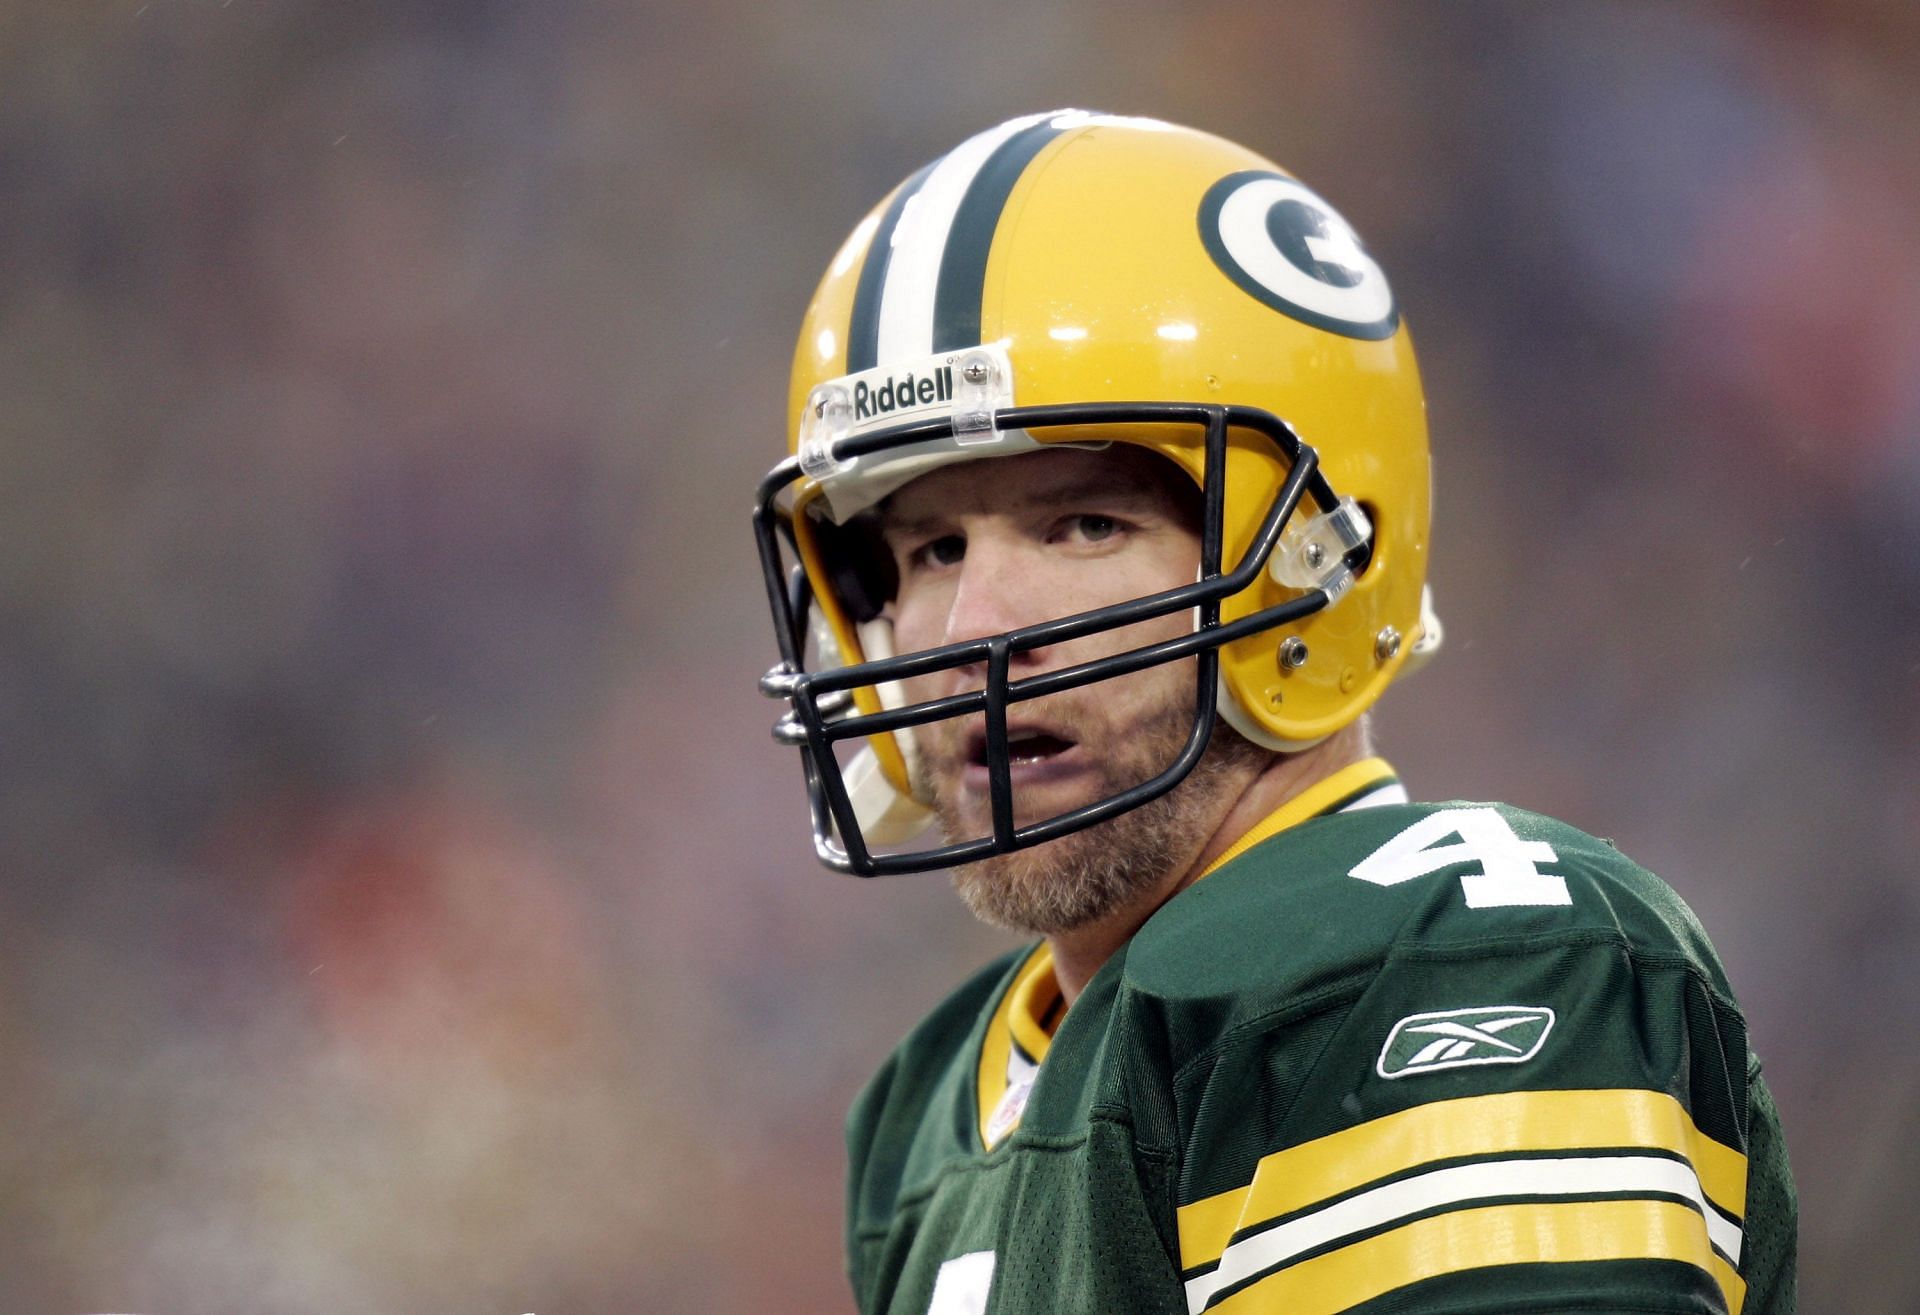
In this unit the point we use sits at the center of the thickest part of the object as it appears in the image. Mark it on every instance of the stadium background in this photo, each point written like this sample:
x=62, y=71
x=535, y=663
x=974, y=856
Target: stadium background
x=404, y=908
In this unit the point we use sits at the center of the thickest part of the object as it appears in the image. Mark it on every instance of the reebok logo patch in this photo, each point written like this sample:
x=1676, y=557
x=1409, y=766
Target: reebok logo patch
x=1455, y=1038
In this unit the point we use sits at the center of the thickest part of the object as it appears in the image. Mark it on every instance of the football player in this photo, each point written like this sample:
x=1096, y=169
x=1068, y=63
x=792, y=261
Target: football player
x=1105, y=524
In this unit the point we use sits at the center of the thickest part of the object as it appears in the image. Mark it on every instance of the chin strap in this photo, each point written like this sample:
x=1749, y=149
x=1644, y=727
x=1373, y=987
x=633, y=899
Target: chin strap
x=1428, y=641
x=886, y=816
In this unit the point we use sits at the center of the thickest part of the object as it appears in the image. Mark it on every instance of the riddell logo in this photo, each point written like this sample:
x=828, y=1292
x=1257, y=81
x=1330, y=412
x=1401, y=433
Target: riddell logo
x=1455, y=1038
x=902, y=392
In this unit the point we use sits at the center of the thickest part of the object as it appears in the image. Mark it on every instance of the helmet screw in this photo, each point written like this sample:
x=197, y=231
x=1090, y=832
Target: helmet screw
x=1293, y=654
x=1314, y=554
x=974, y=372
x=1386, y=645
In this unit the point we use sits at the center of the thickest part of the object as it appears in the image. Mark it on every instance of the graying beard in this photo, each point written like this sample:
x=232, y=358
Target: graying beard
x=1081, y=878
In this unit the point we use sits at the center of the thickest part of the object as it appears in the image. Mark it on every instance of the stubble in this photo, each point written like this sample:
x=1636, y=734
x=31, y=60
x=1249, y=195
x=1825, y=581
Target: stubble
x=1083, y=877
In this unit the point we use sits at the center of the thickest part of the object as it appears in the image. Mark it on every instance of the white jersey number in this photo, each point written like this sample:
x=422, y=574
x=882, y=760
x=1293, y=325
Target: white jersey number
x=961, y=1286
x=1507, y=873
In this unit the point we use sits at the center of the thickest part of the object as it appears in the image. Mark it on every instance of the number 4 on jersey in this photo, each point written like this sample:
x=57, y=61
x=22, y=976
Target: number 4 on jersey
x=1507, y=874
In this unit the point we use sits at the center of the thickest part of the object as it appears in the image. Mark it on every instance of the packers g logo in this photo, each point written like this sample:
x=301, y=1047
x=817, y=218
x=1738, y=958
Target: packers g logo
x=1286, y=247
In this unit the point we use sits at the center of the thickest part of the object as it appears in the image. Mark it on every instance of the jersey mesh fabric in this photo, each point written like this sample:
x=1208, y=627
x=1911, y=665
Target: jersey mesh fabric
x=1769, y=1260
x=1093, y=1247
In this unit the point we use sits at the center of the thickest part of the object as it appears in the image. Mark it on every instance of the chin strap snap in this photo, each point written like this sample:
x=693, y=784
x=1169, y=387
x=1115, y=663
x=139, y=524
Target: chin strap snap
x=1313, y=554
x=827, y=420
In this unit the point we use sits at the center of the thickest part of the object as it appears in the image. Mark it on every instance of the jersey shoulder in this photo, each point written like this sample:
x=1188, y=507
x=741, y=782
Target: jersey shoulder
x=1389, y=1004
x=1319, y=908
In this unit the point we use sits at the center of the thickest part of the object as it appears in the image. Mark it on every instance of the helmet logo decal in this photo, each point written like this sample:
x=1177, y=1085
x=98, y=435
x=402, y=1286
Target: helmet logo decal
x=1290, y=250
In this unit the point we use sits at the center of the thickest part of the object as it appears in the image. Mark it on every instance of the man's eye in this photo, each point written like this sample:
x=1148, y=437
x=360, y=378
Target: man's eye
x=1093, y=528
x=947, y=550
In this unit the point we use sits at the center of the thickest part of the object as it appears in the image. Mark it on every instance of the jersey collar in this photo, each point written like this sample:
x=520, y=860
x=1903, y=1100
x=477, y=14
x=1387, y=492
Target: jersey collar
x=1365, y=784
x=1023, y=1023
x=1017, y=1039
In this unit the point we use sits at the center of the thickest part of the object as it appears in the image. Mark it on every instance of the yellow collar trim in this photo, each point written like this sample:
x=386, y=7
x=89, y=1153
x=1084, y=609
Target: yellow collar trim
x=1033, y=995
x=1349, y=782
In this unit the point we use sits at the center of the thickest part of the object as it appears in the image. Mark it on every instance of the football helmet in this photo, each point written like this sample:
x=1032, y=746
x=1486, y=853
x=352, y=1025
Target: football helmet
x=1074, y=277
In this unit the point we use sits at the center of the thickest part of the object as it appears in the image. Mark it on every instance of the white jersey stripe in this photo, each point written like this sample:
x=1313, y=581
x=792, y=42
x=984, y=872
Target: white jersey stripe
x=920, y=240
x=1460, y=1186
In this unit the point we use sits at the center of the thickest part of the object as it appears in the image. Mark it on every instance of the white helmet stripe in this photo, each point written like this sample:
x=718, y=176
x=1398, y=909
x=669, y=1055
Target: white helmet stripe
x=919, y=242
x=863, y=324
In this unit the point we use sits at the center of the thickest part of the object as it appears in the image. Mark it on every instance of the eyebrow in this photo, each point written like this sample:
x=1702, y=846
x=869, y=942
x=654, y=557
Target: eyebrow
x=1090, y=488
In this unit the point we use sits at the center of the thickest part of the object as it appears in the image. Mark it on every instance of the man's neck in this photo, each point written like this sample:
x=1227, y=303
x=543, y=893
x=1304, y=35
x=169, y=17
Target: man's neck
x=1078, y=954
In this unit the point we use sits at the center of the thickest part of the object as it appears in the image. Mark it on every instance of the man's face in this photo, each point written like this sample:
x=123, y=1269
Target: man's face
x=990, y=546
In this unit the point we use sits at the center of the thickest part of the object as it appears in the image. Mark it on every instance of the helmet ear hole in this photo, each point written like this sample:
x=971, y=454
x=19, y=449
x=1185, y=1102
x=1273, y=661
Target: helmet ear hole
x=859, y=565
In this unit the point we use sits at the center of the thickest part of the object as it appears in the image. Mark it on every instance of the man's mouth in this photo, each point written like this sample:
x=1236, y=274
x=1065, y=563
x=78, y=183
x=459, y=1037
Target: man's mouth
x=1024, y=745
x=1036, y=747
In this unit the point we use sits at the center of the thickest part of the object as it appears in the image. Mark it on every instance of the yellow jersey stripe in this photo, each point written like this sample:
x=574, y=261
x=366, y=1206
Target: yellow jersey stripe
x=1460, y=1187
x=1474, y=1184
x=1507, y=1122
x=1310, y=802
x=1477, y=1238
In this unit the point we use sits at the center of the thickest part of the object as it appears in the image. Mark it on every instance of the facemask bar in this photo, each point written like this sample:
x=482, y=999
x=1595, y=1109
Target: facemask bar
x=820, y=714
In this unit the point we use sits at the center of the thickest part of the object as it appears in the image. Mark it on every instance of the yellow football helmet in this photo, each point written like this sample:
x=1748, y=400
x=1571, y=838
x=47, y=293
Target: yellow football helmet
x=1074, y=277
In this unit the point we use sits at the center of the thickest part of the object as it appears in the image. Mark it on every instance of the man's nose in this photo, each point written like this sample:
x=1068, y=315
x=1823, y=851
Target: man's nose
x=995, y=592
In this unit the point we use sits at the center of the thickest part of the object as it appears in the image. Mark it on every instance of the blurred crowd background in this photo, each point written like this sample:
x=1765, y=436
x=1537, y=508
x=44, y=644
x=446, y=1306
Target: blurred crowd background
x=404, y=908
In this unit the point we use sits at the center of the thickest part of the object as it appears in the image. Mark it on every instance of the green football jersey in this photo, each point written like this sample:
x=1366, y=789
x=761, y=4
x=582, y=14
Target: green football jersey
x=1384, y=1057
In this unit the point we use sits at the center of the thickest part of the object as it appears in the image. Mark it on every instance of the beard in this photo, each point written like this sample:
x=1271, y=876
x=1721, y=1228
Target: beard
x=1087, y=875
